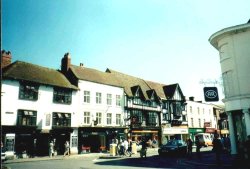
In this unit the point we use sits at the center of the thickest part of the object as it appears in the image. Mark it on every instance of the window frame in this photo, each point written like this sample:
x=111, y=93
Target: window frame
x=62, y=95
x=86, y=117
x=98, y=98
x=99, y=117
x=86, y=96
x=118, y=119
x=109, y=99
x=60, y=119
x=28, y=91
x=118, y=100
x=109, y=118
x=26, y=117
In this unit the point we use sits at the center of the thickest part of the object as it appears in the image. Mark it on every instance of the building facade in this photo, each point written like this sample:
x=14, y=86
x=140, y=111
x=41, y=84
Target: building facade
x=84, y=106
x=233, y=46
x=201, y=117
x=37, y=106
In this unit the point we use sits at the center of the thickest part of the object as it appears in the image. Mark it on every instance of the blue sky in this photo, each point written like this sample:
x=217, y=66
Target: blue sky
x=165, y=41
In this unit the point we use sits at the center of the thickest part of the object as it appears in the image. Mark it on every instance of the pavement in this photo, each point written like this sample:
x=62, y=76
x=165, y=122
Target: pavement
x=207, y=159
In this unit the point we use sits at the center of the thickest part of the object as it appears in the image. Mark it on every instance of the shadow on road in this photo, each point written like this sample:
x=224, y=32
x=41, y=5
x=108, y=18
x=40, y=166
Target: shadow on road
x=148, y=162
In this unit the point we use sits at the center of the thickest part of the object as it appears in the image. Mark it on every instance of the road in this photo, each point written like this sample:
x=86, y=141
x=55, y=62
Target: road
x=94, y=162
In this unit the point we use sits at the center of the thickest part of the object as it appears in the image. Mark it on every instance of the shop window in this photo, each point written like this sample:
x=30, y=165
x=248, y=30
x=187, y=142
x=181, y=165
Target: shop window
x=62, y=95
x=61, y=119
x=26, y=118
x=28, y=91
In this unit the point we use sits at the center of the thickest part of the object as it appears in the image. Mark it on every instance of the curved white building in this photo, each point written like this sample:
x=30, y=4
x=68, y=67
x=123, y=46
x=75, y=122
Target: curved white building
x=233, y=44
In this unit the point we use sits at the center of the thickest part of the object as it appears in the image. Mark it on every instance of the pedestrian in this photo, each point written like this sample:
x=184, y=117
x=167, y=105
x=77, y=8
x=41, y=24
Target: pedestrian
x=198, y=147
x=51, y=149
x=247, y=147
x=122, y=147
x=217, y=148
x=143, y=152
x=130, y=147
x=227, y=144
x=66, y=146
x=125, y=146
x=189, y=147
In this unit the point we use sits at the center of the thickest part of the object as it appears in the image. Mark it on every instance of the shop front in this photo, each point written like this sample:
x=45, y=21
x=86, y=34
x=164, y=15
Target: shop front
x=193, y=131
x=179, y=133
x=97, y=139
x=19, y=140
x=138, y=135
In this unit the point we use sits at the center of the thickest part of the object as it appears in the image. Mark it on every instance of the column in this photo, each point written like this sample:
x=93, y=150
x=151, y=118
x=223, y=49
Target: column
x=232, y=134
x=247, y=120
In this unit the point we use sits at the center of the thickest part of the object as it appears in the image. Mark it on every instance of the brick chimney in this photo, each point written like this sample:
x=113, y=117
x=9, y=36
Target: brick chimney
x=5, y=58
x=65, y=63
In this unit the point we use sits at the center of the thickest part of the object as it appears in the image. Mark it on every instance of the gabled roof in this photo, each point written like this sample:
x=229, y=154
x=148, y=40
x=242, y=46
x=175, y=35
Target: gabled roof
x=158, y=87
x=29, y=72
x=128, y=81
x=170, y=90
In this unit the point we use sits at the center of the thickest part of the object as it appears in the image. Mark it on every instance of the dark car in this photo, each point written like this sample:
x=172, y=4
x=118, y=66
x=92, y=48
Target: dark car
x=173, y=147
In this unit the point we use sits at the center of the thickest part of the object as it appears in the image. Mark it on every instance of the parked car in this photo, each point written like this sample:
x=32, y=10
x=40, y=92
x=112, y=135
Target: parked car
x=173, y=147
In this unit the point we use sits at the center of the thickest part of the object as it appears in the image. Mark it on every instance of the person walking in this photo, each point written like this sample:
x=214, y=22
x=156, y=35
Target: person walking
x=51, y=149
x=66, y=146
x=198, y=147
x=217, y=148
x=189, y=148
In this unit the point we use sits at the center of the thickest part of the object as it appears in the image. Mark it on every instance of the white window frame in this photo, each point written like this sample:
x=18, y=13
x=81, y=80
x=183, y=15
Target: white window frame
x=109, y=99
x=98, y=98
x=99, y=117
x=118, y=119
x=118, y=100
x=86, y=96
x=109, y=118
x=86, y=118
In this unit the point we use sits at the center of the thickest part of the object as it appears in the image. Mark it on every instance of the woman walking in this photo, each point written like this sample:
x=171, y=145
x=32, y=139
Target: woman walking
x=66, y=152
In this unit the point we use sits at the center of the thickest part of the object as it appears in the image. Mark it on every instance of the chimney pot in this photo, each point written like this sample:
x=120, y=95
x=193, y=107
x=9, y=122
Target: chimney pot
x=5, y=58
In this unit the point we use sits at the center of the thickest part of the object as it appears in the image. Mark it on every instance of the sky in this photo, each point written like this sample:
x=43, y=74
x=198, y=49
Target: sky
x=164, y=41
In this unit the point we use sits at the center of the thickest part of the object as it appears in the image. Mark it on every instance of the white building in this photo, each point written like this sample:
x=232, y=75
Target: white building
x=201, y=117
x=233, y=46
x=38, y=105
x=100, y=106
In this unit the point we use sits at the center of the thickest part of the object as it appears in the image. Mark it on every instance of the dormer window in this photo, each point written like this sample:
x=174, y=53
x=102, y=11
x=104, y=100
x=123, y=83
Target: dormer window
x=137, y=98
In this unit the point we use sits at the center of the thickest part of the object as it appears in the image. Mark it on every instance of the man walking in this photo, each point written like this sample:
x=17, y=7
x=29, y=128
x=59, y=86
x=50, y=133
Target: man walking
x=217, y=148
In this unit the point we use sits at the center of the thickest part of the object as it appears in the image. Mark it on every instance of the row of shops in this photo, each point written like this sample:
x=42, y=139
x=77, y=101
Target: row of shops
x=35, y=142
